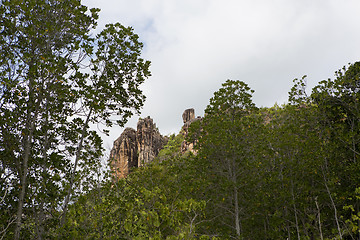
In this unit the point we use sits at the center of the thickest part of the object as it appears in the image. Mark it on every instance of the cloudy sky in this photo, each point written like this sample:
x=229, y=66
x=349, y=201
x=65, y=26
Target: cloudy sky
x=196, y=45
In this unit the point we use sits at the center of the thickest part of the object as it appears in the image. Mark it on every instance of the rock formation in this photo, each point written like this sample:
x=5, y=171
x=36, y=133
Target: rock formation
x=135, y=148
x=188, y=115
x=149, y=141
x=123, y=155
x=188, y=118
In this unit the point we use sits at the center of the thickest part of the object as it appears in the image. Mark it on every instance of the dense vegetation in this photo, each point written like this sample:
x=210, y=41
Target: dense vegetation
x=285, y=172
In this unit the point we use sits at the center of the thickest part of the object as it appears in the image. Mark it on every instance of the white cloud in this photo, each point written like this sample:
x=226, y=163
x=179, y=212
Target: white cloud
x=195, y=45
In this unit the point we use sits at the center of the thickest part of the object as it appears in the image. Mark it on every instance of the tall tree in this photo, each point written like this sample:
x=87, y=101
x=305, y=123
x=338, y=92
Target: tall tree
x=225, y=147
x=56, y=80
x=338, y=102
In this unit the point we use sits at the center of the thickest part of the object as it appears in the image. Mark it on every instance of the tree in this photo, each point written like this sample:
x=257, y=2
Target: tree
x=338, y=103
x=56, y=80
x=266, y=170
x=225, y=149
x=292, y=171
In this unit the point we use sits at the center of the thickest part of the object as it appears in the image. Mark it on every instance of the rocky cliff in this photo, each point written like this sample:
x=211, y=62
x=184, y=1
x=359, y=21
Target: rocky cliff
x=135, y=148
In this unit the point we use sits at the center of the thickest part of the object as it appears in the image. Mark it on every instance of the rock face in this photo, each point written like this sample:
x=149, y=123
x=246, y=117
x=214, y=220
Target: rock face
x=188, y=115
x=135, y=148
x=149, y=141
x=123, y=155
x=188, y=118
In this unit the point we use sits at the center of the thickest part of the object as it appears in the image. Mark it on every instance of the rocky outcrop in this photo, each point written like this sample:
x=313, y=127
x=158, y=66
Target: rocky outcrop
x=135, y=148
x=188, y=118
x=124, y=155
x=188, y=115
x=149, y=141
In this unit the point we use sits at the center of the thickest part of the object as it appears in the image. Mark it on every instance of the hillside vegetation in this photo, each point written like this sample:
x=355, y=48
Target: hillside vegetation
x=288, y=171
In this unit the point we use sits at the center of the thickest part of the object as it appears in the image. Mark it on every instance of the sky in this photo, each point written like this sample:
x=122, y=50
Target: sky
x=196, y=45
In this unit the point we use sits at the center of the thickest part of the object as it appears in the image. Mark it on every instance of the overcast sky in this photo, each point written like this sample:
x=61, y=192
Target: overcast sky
x=196, y=45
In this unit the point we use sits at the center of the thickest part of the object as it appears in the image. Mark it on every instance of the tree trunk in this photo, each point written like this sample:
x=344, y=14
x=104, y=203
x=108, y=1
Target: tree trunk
x=46, y=146
x=319, y=219
x=333, y=205
x=72, y=177
x=237, y=212
x=295, y=210
x=28, y=138
x=23, y=176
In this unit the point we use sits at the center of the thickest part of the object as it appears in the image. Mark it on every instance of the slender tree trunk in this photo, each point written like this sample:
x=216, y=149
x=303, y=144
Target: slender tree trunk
x=232, y=178
x=21, y=199
x=23, y=175
x=295, y=210
x=72, y=177
x=333, y=205
x=32, y=113
x=319, y=219
x=237, y=212
x=46, y=146
x=288, y=231
x=3, y=232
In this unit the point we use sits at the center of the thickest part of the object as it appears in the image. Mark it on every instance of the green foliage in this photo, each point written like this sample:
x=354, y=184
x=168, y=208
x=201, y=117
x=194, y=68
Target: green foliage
x=354, y=217
x=226, y=158
x=172, y=149
x=143, y=206
x=272, y=173
x=297, y=94
x=281, y=172
x=55, y=80
x=338, y=102
x=233, y=98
